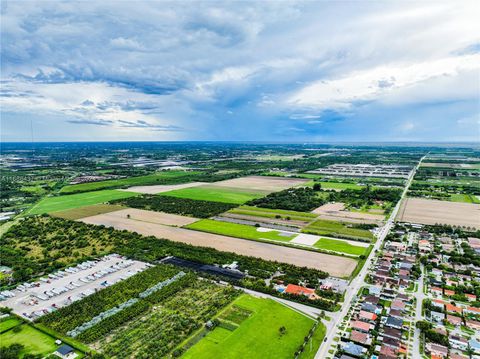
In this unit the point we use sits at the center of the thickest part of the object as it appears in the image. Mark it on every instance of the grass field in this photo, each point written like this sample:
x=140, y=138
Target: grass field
x=8, y=323
x=331, y=228
x=34, y=341
x=215, y=194
x=236, y=230
x=126, y=182
x=62, y=203
x=258, y=336
x=467, y=198
x=340, y=246
x=87, y=211
x=272, y=213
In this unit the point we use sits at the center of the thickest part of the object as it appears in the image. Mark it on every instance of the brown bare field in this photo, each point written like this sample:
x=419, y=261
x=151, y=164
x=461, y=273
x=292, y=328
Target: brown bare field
x=161, y=188
x=450, y=165
x=337, y=212
x=141, y=215
x=430, y=211
x=265, y=219
x=335, y=265
x=262, y=183
x=86, y=211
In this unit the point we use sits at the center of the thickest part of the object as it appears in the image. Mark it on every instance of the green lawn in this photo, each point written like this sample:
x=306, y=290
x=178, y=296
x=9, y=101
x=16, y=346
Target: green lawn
x=61, y=203
x=331, y=228
x=124, y=182
x=8, y=323
x=237, y=230
x=258, y=336
x=34, y=341
x=216, y=194
x=340, y=246
x=272, y=213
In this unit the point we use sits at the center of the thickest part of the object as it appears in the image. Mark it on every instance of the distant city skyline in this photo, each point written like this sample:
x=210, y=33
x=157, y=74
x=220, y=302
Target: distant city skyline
x=240, y=71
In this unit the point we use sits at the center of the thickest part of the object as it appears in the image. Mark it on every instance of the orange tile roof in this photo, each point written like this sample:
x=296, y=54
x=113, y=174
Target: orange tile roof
x=449, y=292
x=452, y=308
x=362, y=325
x=298, y=290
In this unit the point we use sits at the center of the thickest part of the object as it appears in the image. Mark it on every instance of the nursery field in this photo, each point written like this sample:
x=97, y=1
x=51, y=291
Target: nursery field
x=274, y=213
x=157, y=332
x=239, y=336
x=239, y=230
x=216, y=194
x=62, y=203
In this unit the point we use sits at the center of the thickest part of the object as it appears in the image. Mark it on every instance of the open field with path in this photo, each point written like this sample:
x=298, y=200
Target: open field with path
x=335, y=265
x=337, y=212
x=248, y=316
x=262, y=183
x=61, y=203
x=429, y=211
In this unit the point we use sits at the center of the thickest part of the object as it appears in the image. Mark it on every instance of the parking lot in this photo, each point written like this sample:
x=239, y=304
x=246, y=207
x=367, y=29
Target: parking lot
x=32, y=300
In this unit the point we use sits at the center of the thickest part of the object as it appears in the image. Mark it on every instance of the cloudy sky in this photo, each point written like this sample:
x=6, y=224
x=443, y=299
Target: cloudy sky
x=264, y=71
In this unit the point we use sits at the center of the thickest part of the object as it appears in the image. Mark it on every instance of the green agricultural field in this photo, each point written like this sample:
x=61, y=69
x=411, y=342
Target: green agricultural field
x=156, y=178
x=216, y=194
x=237, y=230
x=34, y=341
x=467, y=198
x=87, y=211
x=244, y=341
x=273, y=213
x=62, y=203
x=340, y=246
x=8, y=323
x=331, y=228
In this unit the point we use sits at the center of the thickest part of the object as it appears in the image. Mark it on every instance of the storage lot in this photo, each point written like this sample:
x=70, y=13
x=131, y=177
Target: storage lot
x=429, y=211
x=62, y=288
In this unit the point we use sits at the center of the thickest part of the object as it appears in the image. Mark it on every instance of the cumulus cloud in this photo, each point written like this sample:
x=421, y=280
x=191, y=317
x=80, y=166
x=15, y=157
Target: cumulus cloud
x=237, y=70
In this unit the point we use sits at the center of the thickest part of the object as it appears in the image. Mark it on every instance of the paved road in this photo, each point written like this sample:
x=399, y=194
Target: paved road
x=359, y=281
x=419, y=296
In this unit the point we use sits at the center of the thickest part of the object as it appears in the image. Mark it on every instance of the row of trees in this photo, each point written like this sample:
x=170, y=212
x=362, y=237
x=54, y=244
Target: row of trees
x=181, y=206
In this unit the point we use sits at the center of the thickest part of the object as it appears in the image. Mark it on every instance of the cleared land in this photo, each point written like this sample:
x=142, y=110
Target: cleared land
x=429, y=211
x=335, y=265
x=332, y=228
x=216, y=194
x=242, y=339
x=167, y=219
x=337, y=212
x=262, y=183
x=61, y=203
x=86, y=211
x=124, y=182
x=162, y=188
